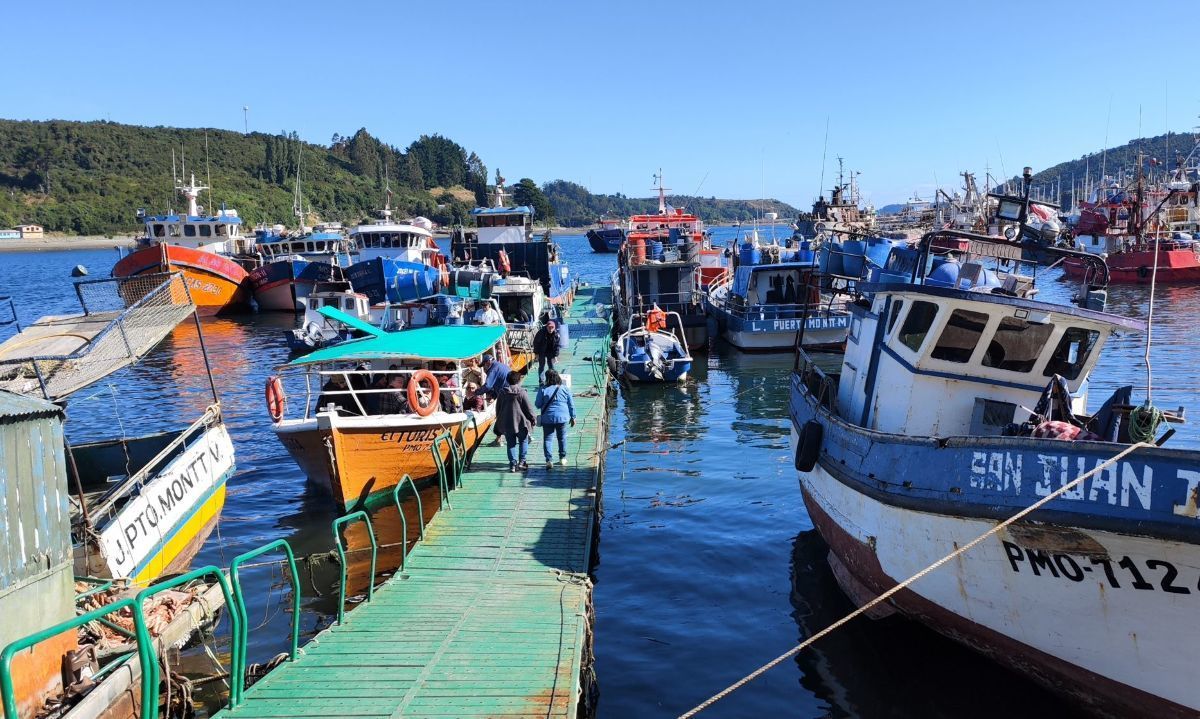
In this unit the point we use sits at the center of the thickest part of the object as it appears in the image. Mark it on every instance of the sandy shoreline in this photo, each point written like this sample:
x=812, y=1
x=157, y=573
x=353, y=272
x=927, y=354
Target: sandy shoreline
x=58, y=242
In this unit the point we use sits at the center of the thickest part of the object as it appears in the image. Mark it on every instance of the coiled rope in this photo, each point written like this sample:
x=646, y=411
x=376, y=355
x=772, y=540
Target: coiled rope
x=907, y=582
x=1144, y=422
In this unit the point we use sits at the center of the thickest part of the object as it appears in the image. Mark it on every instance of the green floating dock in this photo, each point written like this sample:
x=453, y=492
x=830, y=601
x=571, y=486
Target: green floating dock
x=492, y=614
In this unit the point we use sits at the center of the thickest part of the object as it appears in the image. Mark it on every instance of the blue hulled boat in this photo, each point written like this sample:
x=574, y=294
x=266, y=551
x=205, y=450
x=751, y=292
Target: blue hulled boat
x=292, y=265
x=608, y=237
x=653, y=352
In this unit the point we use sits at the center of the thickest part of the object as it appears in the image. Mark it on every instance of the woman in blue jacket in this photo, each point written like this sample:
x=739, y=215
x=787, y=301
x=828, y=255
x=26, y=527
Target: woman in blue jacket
x=558, y=409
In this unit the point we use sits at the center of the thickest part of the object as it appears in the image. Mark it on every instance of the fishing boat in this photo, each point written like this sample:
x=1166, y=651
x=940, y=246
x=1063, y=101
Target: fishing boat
x=144, y=504
x=293, y=264
x=397, y=261
x=352, y=434
x=1143, y=234
x=661, y=264
x=843, y=211
x=503, y=237
x=772, y=296
x=316, y=330
x=953, y=408
x=654, y=349
x=608, y=237
x=209, y=250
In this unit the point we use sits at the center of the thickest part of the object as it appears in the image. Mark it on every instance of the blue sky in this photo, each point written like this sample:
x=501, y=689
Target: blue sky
x=729, y=98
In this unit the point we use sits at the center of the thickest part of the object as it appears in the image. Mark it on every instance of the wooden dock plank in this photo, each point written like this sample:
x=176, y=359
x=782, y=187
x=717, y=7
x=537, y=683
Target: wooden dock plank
x=490, y=615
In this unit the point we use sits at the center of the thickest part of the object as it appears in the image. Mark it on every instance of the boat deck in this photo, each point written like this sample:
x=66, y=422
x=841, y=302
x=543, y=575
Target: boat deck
x=492, y=615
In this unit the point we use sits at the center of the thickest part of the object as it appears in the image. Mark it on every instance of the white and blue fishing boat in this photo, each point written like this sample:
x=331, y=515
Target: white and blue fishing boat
x=653, y=353
x=953, y=407
x=502, y=239
x=772, y=296
x=294, y=264
x=397, y=261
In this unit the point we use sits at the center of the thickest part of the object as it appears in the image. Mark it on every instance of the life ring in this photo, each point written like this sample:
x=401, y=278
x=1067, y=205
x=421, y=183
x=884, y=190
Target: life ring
x=503, y=263
x=1143, y=272
x=276, y=399
x=423, y=377
x=808, y=445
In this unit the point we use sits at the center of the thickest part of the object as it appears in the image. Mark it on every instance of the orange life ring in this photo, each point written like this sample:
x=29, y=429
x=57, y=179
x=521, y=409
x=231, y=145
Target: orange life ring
x=503, y=263
x=426, y=378
x=276, y=399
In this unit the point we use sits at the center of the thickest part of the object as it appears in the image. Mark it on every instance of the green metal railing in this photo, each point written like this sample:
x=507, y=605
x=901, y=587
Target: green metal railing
x=341, y=550
x=240, y=640
x=404, y=522
x=7, y=692
x=450, y=468
x=151, y=673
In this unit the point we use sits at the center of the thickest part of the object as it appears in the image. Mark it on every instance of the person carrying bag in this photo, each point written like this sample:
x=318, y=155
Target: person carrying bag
x=557, y=411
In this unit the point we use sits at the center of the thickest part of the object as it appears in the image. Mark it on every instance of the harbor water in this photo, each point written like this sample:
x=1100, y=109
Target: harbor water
x=708, y=564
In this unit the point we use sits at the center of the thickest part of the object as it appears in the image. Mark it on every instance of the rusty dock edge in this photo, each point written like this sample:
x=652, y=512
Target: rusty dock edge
x=492, y=614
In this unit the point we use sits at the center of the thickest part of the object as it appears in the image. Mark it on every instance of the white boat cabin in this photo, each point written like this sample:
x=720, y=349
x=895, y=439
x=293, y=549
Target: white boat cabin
x=495, y=225
x=220, y=233
x=932, y=361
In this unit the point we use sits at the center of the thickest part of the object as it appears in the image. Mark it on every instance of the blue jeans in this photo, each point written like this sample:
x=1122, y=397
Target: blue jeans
x=551, y=430
x=542, y=364
x=515, y=440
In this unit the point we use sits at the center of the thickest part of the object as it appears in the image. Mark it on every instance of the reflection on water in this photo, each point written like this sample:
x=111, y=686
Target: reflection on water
x=702, y=577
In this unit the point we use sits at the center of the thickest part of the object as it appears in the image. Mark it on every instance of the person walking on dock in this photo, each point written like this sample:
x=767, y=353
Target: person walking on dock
x=514, y=420
x=496, y=376
x=546, y=347
x=558, y=409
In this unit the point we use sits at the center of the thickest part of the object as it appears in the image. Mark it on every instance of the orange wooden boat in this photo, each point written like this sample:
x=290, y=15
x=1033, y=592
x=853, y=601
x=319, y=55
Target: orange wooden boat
x=382, y=402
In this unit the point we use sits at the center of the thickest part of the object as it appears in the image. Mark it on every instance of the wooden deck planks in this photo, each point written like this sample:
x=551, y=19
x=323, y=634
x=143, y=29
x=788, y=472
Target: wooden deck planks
x=490, y=616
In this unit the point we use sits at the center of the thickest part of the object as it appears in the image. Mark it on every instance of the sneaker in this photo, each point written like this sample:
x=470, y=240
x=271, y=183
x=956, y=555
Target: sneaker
x=549, y=465
x=522, y=465
x=562, y=461
x=512, y=467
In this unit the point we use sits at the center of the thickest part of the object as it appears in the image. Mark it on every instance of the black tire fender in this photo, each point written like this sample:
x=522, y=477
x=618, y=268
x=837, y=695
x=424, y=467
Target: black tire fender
x=808, y=445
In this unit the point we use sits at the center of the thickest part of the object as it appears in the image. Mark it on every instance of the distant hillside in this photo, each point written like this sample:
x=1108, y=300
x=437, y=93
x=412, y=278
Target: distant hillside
x=574, y=206
x=1163, y=150
x=91, y=177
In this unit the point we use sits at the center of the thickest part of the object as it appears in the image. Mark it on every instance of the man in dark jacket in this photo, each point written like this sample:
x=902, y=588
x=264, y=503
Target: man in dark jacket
x=514, y=421
x=546, y=347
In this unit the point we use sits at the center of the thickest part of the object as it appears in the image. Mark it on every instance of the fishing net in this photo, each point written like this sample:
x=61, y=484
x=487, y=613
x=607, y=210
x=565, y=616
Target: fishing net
x=122, y=320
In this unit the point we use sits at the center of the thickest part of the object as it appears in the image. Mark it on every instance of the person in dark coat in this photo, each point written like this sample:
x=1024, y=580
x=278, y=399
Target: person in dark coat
x=514, y=421
x=546, y=347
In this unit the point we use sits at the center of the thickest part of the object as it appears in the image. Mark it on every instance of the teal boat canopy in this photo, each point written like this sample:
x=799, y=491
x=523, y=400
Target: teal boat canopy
x=334, y=313
x=449, y=342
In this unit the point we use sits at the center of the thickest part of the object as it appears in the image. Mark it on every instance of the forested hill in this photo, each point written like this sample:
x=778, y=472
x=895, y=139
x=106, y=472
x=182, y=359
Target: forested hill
x=1162, y=150
x=574, y=206
x=90, y=178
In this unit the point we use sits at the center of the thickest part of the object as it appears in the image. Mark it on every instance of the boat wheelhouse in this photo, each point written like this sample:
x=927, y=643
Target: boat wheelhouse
x=370, y=410
x=661, y=264
x=209, y=250
x=293, y=264
x=954, y=407
x=502, y=239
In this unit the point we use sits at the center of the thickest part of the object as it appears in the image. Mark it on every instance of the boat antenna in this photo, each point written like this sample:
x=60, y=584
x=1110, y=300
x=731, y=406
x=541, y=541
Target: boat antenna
x=208, y=170
x=1104, y=155
x=824, y=151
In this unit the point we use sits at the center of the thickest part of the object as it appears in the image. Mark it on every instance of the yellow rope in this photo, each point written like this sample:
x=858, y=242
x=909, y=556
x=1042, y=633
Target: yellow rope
x=903, y=585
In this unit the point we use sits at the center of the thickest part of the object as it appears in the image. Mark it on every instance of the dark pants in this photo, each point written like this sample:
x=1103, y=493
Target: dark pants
x=551, y=430
x=543, y=363
x=515, y=441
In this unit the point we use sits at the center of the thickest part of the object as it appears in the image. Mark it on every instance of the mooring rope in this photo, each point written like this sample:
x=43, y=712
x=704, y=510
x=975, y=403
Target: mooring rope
x=907, y=582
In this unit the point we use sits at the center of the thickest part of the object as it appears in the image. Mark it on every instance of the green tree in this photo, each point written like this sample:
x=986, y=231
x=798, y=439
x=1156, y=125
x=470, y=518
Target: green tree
x=527, y=192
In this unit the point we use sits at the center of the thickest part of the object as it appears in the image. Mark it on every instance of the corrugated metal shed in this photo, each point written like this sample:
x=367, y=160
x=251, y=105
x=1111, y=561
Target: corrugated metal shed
x=35, y=516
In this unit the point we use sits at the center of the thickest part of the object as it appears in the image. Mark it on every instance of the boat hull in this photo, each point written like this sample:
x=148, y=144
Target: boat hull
x=217, y=284
x=1093, y=599
x=1137, y=267
x=640, y=372
x=779, y=335
x=369, y=456
x=284, y=285
x=605, y=241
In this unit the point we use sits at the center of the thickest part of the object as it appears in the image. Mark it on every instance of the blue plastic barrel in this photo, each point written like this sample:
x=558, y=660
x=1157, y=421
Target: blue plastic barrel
x=749, y=254
x=831, y=258
x=656, y=250
x=852, y=260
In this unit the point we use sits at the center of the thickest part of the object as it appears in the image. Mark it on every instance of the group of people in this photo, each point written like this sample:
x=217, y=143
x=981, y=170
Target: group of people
x=553, y=410
x=387, y=392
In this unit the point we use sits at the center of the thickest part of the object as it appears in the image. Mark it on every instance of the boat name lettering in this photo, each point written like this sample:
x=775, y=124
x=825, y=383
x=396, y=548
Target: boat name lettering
x=149, y=516
x=812, y=323
x=413, y=435
x=1122, y=484
x=1123, y=573
x=195, y=283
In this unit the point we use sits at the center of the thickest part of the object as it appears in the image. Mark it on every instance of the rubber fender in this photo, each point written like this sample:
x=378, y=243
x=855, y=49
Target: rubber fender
x=808, y=445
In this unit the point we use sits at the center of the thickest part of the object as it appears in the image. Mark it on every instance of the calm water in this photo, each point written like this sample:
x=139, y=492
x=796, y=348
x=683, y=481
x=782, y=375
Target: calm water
x=708, y=562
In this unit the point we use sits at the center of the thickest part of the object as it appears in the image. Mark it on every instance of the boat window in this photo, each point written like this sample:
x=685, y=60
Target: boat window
x=1016, y=345
x=1072, y=352
x=205, y=231
x=309, y=246
x=173, y=230
x=321, y=246
x=917, y=324
x=348, y=304
x=189, y=230
x=960, y=336
x=897, y=305
x=220, y=230
x=159, y=231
